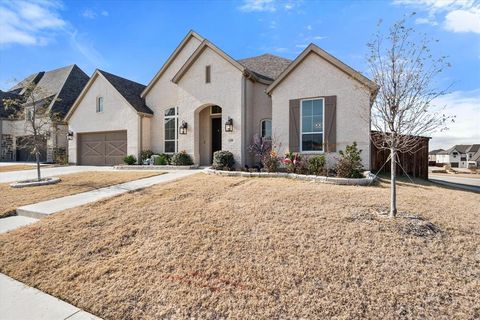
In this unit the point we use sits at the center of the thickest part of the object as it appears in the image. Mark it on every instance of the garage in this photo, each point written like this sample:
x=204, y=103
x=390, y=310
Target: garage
x=102, y=148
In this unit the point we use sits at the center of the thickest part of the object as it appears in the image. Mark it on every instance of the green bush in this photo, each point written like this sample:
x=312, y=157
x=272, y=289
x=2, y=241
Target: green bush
x=316, y=165
x=350, y=163
x=146, y=154
x=161, y=159
x=181, y=159
x=130, y=159
x=223, y=160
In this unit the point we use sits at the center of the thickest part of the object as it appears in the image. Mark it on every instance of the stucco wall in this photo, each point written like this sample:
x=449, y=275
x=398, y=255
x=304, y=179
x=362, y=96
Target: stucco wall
x=117, y=115
x=146, y=127
x=163, y=94
x=225, y=90
x=316, y=77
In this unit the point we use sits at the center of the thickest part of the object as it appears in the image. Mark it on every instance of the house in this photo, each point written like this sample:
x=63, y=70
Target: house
x=312, y=105
x=432, y=156
x=60, y=88
x=459, y=156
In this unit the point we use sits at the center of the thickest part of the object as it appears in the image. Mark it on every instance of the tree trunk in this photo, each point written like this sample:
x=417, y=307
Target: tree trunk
x=393, y=183
x=37, y=157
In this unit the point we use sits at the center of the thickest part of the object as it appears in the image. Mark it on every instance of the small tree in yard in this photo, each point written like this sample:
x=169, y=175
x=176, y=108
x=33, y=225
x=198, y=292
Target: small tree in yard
x=402, y=64
x=33, y=106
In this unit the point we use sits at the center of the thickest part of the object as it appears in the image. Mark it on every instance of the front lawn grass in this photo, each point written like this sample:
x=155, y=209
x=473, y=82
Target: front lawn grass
x=18, y=167
x=12, y=198
x=228, y=247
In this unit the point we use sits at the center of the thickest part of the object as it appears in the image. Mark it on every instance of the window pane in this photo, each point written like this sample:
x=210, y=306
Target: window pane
x=215, y=110
x=170, y=112
x=306, y=124
x=169, y=146
x=170, y=129
x=317, y=124
x=267, y=129
x=317, y=107
x=312, y=142
x=307, y=107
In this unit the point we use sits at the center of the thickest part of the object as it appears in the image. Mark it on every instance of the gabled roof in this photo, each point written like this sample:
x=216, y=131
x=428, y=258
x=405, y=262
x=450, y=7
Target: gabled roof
x=170, y=59
x=62, y=86
x=460, y=148
x=4, y=112
x=266, y=65
x=201, y=48
x=128, y=89
x=476, y=156
x=312, y=48
x=473, y=148
x=436, y=151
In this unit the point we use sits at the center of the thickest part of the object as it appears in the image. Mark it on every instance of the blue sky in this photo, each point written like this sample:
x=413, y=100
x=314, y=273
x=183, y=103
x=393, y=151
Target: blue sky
x=134, y=38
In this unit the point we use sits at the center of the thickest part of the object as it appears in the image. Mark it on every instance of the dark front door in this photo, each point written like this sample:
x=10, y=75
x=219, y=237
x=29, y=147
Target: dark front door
x=216, y=135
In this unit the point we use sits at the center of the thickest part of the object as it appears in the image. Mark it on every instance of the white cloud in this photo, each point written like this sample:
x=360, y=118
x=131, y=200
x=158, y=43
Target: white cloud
x=29, y=23
x=258, y=6
x=455, y=15
x=309, y=27
x=463, y=21
x=90, y=14
x=465, y=105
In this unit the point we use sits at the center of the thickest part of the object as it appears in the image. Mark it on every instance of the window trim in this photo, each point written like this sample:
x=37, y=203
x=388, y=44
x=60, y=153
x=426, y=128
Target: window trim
x=261, y=128
x=175, y=117
x=301, y=133
x=97, y=109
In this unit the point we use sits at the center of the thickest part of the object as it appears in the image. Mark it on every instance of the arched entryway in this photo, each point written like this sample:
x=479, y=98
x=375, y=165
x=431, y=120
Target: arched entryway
x=210, y=133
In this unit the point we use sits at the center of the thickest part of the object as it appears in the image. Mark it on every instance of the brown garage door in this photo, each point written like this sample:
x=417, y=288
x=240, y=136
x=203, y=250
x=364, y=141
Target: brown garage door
x=102, y=148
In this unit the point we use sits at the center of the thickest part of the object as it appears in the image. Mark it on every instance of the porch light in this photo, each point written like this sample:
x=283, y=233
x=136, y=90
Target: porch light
x=183, y=128
x=70, y=135
x=229, y=125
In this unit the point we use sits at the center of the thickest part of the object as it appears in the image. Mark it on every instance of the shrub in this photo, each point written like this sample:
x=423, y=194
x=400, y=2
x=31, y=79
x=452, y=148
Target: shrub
x=161, y=159
x=271, y=161
x=350, y=163
x=316, y=165
x=264, y=152
x=181, y=159
x=223, y=160
x=130, y=159
x=146, y=154
x=294, y=163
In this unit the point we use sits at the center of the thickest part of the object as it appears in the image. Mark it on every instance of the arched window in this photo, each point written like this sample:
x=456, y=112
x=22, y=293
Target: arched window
x=100, y=104
x=266, y=125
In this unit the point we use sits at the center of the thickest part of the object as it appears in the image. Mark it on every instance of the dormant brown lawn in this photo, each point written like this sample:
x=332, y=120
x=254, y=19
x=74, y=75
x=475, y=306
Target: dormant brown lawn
x=227, y=247
x=12, y=198
x=17, y=167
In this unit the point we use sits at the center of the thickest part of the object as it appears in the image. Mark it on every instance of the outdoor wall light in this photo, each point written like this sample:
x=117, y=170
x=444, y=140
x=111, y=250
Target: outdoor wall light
x=183, y=128
x=229, y=125
x=70, y=135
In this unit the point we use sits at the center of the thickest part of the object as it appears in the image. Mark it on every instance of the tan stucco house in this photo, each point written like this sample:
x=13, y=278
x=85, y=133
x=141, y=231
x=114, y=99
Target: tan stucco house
x=311, y=105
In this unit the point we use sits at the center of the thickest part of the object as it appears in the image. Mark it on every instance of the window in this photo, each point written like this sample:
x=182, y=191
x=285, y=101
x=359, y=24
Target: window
x=171, y=134
x=29, y=114
x=215, y=110
x=267, y=129
x=207, y=74
x=311, y=124
x=99, y=104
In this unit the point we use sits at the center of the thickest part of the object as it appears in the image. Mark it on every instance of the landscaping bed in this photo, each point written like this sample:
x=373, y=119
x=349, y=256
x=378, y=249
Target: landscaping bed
x=232, y=247
x=12, y=198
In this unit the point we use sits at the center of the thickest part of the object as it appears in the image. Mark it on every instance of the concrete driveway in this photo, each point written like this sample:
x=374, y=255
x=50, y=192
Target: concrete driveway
x=460, y=182
x=12, y=176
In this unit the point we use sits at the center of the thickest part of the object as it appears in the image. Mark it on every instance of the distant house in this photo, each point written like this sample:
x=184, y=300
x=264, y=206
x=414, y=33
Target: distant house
x=432, y=156
x=61, y=88
x=460, y=156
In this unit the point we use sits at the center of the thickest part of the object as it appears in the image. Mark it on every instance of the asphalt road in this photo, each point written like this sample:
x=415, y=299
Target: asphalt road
x=470, y=184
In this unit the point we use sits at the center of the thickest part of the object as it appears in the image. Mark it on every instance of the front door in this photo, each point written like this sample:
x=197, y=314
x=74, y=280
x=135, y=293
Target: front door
x=216, y=135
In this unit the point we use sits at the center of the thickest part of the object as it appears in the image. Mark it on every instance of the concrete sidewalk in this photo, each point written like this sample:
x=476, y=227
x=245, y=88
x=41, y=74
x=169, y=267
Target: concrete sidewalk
x=20, y=302
x=14, y=222
x=45, y=208
x=11, y=176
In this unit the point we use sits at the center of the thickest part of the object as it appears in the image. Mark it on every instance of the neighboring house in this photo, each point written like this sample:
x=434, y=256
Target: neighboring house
x=312, y=105
x=432, y=155
x=61, y=88
x=459, y=156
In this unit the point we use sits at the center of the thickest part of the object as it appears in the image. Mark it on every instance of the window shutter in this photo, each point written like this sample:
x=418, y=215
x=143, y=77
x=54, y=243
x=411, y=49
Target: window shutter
x=294, y=125
x=330, y=124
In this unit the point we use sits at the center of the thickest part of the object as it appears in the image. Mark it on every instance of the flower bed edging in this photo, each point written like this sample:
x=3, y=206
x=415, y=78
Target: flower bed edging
x=369, y=177
x=153, y=167
x=34, y=183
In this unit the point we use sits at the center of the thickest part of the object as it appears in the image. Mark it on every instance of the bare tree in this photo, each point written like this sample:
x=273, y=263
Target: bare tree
x=402, y=64
x=34, y=107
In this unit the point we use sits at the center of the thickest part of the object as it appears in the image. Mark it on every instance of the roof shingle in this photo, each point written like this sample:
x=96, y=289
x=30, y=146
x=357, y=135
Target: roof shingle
x=267, y=65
